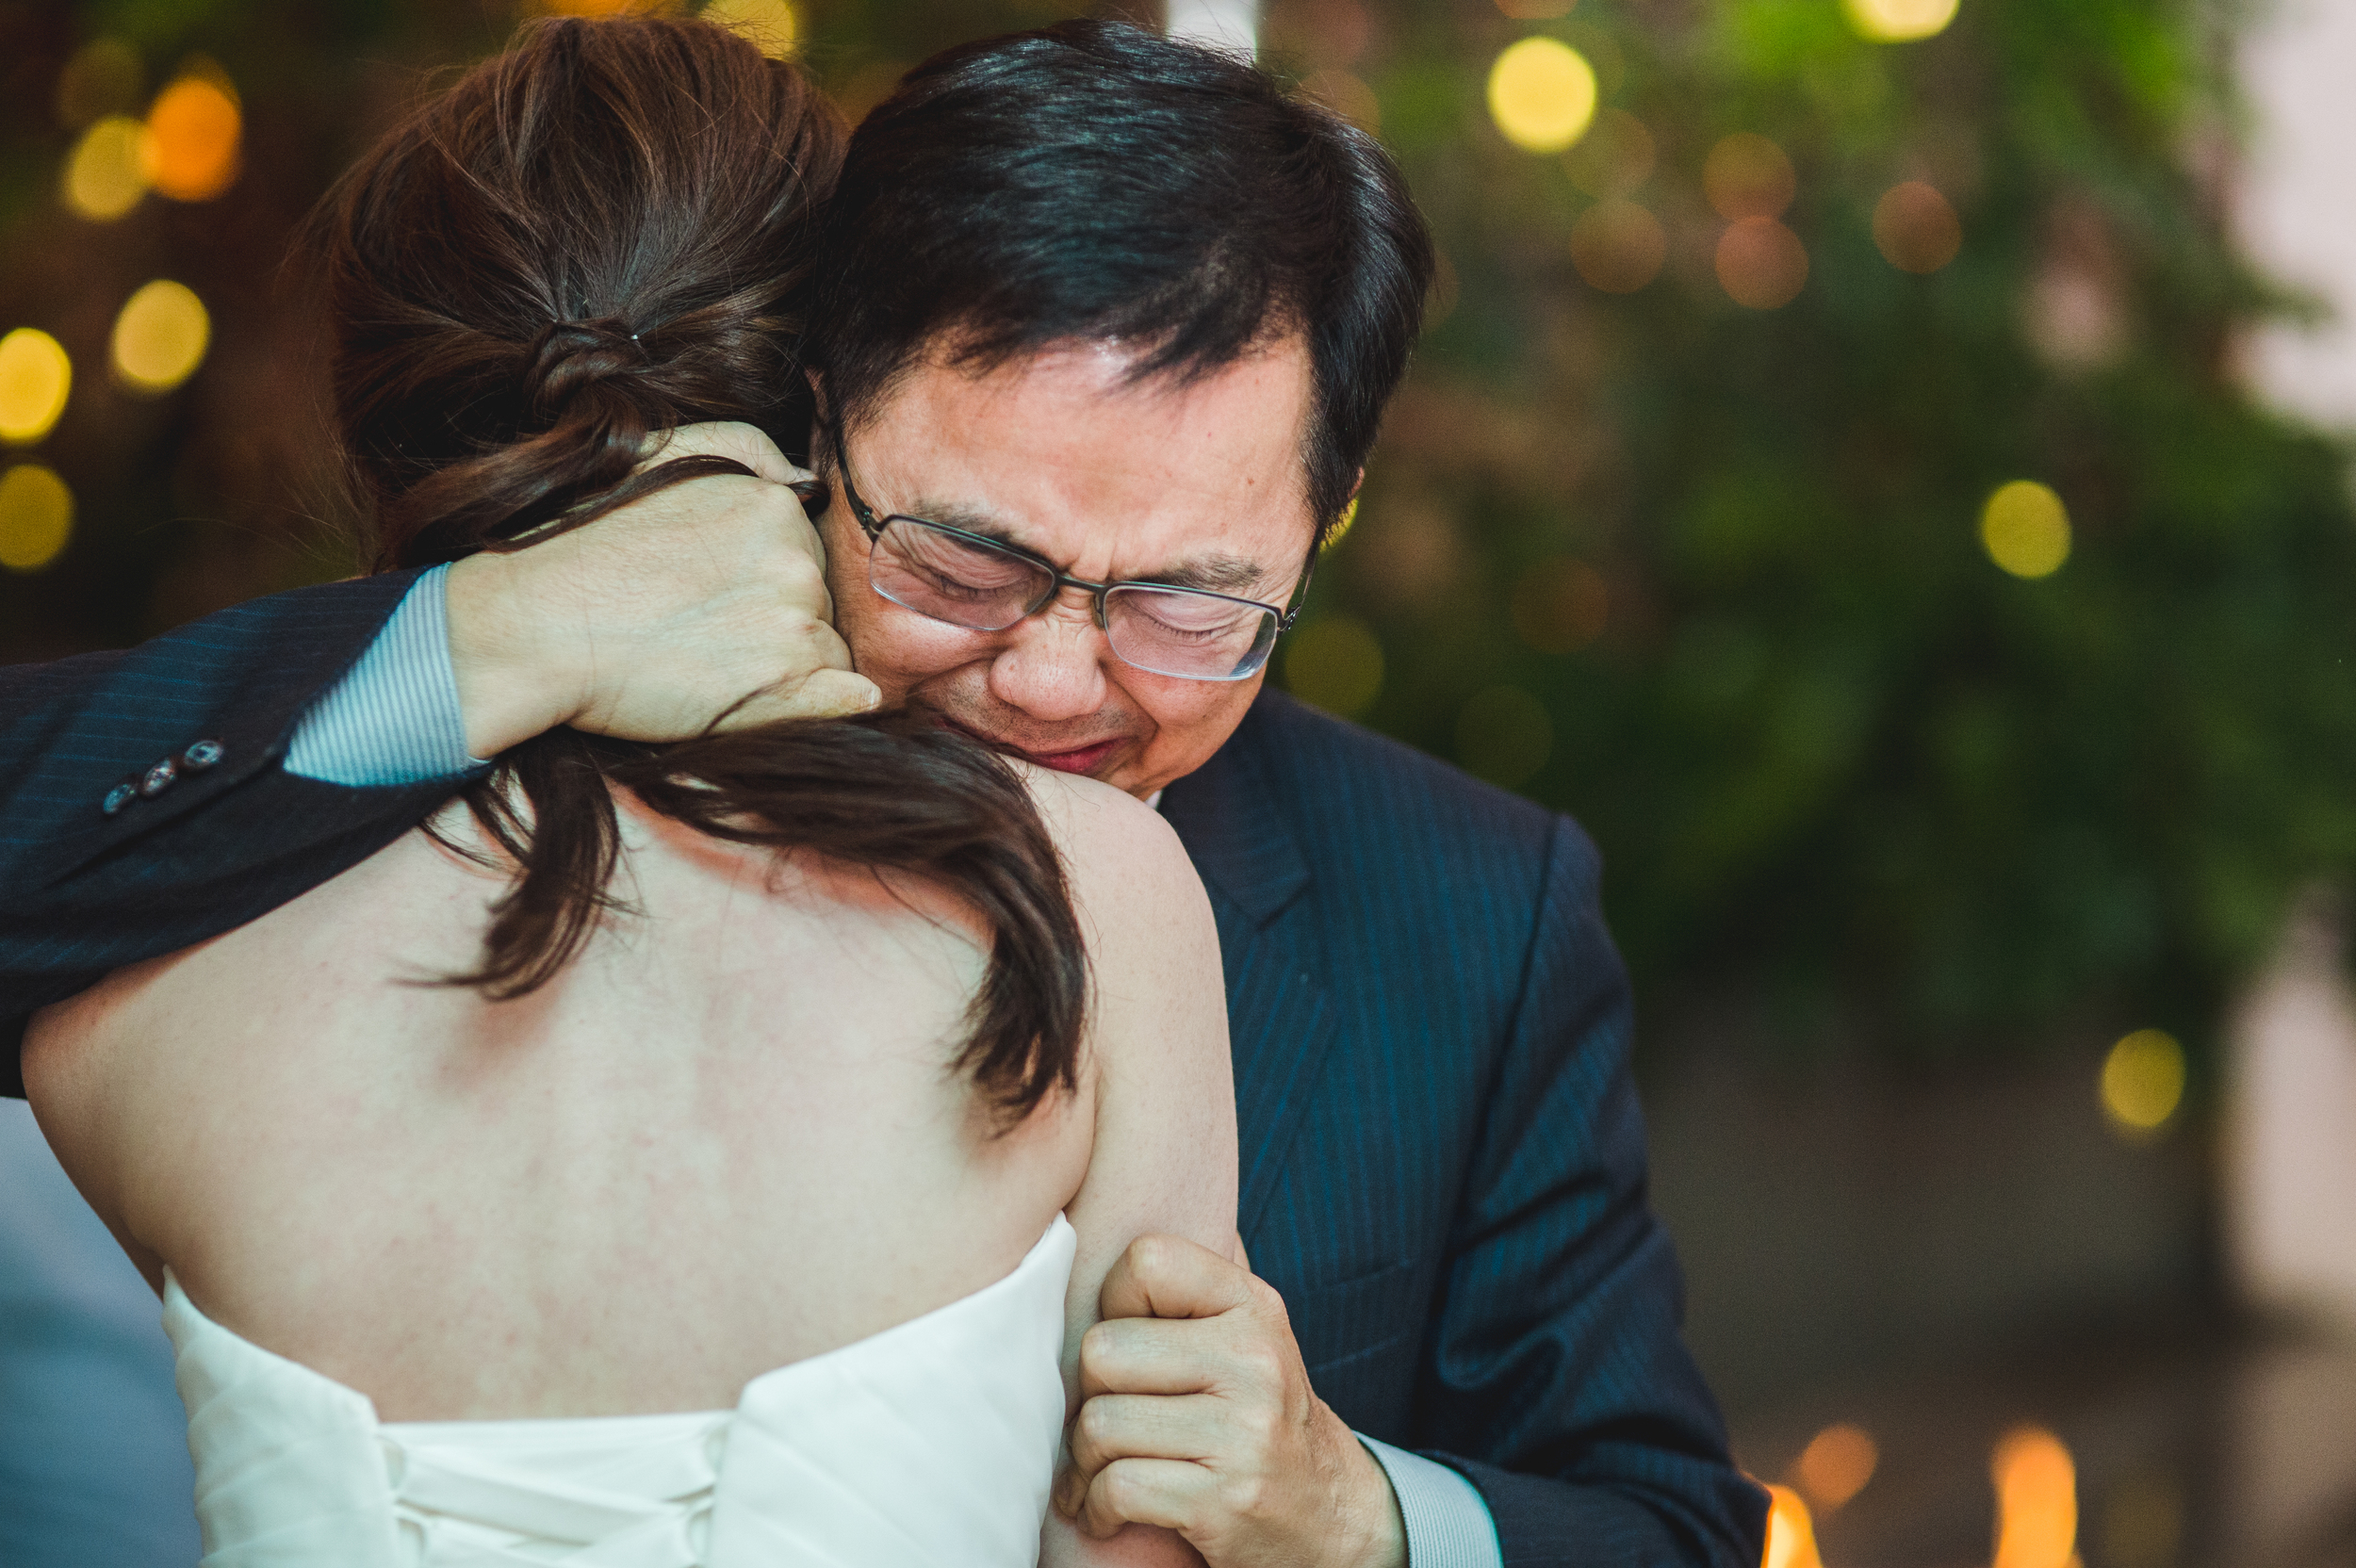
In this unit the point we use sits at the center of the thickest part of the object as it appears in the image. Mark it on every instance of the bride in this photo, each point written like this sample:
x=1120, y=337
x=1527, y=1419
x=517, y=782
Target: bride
x=704, y=1154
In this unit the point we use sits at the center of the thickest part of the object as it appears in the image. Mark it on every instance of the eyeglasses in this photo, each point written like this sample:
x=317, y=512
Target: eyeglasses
x=983, y=584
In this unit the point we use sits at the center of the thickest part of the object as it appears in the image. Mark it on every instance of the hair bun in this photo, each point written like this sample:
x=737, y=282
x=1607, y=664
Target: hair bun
x=569, y=356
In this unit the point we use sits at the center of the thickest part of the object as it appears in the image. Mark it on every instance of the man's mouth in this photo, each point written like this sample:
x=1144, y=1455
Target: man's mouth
x=1087, y=759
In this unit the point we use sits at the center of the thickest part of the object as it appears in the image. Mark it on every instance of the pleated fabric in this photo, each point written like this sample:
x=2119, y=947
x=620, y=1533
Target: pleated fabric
x=930, y=1443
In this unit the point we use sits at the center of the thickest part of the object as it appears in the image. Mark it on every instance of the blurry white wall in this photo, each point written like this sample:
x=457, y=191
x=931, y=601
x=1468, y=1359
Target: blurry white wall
x=1228, y=23
x=2290, y=1122
x=2296, y=202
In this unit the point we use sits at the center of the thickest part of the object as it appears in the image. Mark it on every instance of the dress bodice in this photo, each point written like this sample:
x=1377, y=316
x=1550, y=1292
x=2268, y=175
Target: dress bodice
x=932, y=1443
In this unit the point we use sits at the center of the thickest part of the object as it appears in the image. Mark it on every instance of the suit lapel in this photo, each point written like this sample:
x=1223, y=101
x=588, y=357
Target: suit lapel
x=1280, y=1021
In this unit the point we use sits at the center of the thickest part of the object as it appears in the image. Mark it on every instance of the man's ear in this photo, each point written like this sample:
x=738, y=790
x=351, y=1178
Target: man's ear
x=1359, y=484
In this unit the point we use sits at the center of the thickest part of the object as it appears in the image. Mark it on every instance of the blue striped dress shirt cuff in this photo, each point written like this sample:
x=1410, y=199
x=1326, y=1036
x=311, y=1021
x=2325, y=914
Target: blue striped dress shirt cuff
x=1448, y=1523
x=394, y=717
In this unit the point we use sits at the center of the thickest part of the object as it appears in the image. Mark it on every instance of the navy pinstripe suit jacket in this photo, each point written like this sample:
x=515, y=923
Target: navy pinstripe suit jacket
x=1442, y=1161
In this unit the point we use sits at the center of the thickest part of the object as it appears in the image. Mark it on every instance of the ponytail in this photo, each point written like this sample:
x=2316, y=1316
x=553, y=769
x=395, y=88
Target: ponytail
x=599, y=234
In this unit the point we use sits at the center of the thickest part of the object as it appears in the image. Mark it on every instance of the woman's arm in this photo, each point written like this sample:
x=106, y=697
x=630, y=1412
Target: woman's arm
x=1164, y=1156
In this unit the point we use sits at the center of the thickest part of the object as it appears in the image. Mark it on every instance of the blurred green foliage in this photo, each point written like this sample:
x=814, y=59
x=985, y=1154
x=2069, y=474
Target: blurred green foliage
x=1705, y=576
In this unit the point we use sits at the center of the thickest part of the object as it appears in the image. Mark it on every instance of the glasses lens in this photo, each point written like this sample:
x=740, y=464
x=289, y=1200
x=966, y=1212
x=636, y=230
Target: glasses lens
x=964, y=582
x=1199, y=636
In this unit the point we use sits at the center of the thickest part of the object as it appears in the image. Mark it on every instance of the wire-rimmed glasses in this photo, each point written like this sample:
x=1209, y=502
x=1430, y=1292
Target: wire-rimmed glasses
x=983, y=584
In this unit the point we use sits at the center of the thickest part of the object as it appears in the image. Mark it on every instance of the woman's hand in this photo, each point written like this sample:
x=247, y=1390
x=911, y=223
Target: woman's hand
x=659, y=618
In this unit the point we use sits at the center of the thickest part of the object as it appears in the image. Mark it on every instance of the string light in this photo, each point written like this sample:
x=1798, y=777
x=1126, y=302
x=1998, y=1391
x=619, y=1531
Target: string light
x=190, y=153
x=1542, y=94
x=35, y=376
x=2025, y=529
x=2143, y=1081
x=105, y=174
x=36, y=517
x=1899, y=21
x=162, y=335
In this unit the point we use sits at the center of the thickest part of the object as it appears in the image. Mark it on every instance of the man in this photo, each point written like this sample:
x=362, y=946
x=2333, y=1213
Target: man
x=1106, y=333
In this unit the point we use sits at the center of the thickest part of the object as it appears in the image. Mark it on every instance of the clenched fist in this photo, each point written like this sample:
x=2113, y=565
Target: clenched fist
x=660, y=617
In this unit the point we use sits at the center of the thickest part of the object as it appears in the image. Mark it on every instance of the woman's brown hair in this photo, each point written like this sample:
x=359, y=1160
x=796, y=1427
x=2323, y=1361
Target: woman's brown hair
x=603, y=233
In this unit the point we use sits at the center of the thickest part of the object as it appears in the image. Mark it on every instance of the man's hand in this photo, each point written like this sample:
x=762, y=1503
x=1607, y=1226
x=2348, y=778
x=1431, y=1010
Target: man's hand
x=1198, y=1417
x=650, y=622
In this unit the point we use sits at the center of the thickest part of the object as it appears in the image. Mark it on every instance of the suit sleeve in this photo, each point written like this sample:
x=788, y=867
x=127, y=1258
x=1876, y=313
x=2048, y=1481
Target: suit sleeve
x=1555, y=1377
x=143, y=805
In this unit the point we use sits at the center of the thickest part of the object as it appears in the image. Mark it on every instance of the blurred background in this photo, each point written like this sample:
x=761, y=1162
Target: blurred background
x=1883, y=464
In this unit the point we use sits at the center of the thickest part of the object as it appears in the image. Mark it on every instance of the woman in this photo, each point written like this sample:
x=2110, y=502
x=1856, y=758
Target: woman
x=703, y=1155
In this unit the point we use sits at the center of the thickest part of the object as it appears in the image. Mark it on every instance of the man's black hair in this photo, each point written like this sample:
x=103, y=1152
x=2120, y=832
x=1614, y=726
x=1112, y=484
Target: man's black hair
x=1094, y=181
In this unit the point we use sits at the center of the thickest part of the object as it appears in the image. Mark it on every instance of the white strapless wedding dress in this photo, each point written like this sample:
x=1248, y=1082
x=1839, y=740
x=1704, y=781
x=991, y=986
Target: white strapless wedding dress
x=932, y=1443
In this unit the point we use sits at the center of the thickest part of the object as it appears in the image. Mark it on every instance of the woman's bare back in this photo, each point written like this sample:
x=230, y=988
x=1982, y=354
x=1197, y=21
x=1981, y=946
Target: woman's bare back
x=728, y=1137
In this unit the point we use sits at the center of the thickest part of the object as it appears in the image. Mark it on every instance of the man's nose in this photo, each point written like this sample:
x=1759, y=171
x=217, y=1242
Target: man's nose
x=1052, y=666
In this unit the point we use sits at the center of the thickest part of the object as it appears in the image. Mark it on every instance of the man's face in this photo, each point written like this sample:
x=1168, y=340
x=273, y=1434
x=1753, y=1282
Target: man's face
x=1200, y=484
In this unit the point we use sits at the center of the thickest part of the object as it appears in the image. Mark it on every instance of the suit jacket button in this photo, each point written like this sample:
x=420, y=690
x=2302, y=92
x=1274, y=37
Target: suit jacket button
x=117, y=798
x=158, y=778
x=203, y=755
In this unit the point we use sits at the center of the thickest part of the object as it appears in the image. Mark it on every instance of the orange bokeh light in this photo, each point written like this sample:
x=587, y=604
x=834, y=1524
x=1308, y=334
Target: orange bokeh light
x=1761, y=265
x=1836, y=1464
x=192, y=134
x=1916, y=228
x=1790, y=1533
x=2037, y=1501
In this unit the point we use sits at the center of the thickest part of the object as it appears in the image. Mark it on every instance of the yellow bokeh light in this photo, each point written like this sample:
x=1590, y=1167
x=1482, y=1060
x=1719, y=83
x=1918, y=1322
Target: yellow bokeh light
x=162, y=335
x=191, y=152
x=1542, y=94
x=105, y=174
x=770, y=26
x=1836, y=1464
x=36, y=517
x=2143, y=1081
x=1899, y=21
x=2026, y=528
x=2037, y=1501
x=1335, y=664
x=1790, y=1533
x=35, y=376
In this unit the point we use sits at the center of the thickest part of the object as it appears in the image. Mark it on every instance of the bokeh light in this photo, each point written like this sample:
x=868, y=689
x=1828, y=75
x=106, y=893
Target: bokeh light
x=1916, y=228
x=1614, y=157
x=2037, y=1501
x=2026, y=528
x=105, y=174
x=1761, y=265
x=104, y=77
x=2143, y=1081
x=770, y=26
x=35, y=376
x=1836, y=1464
x=1748, y=176
x=1542, y=94
x=1560, y=605
x=1618, y=246
x=190, y=150
x=1503, y=735
x=1790, y=1533
x=1334, y=663
x=162, y=335
x=1899, y=21
x=36, y=517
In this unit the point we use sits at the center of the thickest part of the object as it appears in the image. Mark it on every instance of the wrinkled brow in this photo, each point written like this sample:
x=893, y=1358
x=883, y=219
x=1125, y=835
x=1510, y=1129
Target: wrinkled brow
x=1217, y=573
